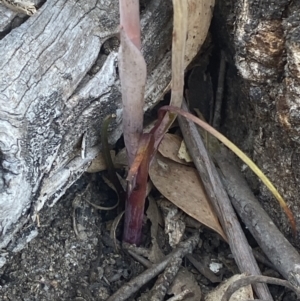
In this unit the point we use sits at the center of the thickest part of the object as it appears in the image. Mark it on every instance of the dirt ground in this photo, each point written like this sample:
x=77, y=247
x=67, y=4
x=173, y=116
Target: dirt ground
x=60, y=264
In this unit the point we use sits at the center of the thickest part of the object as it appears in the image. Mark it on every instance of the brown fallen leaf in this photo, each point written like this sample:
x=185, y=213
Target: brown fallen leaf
x=181, y=185
x=199, y=14
x=170, y=146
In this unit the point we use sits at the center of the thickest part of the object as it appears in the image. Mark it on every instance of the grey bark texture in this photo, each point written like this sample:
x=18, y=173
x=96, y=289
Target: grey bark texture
x=56, y=87
x=261, y=40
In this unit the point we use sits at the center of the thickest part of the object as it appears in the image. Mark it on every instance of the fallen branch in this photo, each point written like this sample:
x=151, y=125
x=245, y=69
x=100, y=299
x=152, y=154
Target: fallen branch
x=135, y=284
x=277, y=248
x=164, y=280
x=238, y=244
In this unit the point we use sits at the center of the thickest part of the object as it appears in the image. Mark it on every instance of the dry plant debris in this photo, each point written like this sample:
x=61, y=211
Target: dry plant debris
x=154, y=215
x=181, y=185
x=170, y=148
x=183, y=152
x=244, y=293
x=174, y=223
x=199, y=17
x=185, y=280
x=135, y=284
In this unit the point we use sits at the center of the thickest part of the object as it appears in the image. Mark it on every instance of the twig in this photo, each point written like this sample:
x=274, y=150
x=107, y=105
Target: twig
x=219, y=94
x=255, y=279
x=206, y=272
x=137, y=250
x=280, y=252
x=261, y=258
x=142, y=260
x=24, y=7
x=135, y=284
x=164, y=281
x=182, y=296
x=238, y=244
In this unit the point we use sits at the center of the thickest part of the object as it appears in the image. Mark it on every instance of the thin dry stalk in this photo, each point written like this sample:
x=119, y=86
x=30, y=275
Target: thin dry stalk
x=238, y=244
x=164, y=280
x=277, y=248
x=255, y=279
x=180, y=20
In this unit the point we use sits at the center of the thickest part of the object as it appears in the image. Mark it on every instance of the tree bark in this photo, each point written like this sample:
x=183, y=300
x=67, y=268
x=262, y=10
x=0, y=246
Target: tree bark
x=261, y=40
x=57, y=85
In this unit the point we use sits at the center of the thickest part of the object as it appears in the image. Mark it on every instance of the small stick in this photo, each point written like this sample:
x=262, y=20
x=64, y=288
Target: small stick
x=164, y=280
x=262, y=258
x=238, y=244
x=219, y=94
x=206, y=272
x=142, y=260
x=255, y=279
x=278, y=249
x=135, y=284
x=24, y=7
x=180, y=297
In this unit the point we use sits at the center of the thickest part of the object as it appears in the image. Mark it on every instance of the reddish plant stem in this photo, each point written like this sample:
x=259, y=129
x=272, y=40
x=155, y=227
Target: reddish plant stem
x=135, y=203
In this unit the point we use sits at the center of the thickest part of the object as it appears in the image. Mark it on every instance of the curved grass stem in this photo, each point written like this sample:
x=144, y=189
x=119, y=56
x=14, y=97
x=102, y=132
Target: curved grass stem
x=240, y=154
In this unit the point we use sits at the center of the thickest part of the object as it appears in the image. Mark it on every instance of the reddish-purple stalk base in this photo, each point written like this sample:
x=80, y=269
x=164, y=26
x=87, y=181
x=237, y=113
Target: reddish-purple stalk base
x=135, y=205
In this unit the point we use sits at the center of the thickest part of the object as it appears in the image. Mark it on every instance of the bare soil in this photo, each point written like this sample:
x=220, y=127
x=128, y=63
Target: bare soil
x=60, y=265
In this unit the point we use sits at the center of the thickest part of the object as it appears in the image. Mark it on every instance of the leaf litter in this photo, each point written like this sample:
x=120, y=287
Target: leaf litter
x=182, y=186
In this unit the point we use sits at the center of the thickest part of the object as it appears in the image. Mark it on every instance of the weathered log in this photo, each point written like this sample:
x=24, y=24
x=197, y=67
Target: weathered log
x=52, y=97
x=262, y=102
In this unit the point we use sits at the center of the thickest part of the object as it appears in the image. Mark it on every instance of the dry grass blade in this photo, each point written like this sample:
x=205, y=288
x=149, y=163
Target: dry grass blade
x=242, y=156
x=191, y=22
x=178, y=51
x=180, y=17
